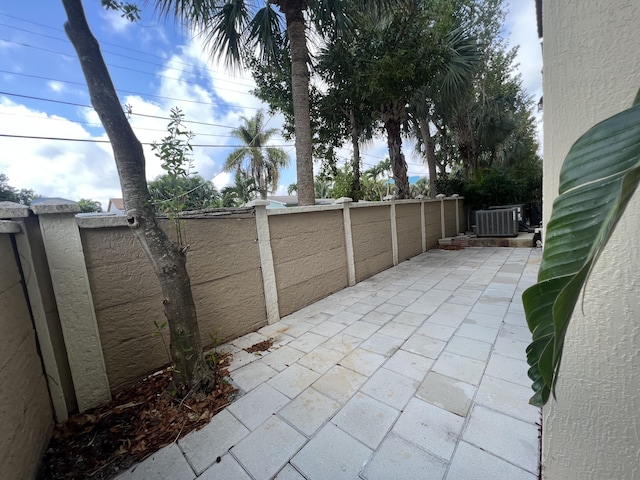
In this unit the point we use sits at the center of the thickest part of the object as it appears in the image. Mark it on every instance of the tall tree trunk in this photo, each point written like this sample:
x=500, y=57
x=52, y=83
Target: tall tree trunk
x=429, y=154
x=392, y=118
x=355, y=141
x=293, y=11
x=168, y=261
x=466, y=143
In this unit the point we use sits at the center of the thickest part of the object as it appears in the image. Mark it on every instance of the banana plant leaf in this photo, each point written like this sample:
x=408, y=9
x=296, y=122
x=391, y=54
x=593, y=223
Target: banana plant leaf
x=598, y=178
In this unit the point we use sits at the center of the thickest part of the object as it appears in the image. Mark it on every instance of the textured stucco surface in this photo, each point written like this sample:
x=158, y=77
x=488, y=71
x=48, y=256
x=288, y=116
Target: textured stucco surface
x=224, y=267
x=46, y=318
x=67, y=268
x=450, y=228
x=591, y=71
x=432, y=223
x=309, y=257
x=25, y=408
x=409, y=230
x=371, y=240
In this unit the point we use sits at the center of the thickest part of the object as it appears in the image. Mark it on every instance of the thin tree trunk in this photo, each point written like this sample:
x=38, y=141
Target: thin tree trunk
x=293, y=11
x=392, y=120
x=429, y=154
x=355, y=141
x=169, y=262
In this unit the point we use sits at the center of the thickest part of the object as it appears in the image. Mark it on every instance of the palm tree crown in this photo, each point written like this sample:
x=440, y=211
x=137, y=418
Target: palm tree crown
x=255, y=158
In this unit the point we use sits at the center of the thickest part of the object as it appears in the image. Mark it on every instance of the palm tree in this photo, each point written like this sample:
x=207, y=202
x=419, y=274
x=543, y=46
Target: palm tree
x=241, y=192
x=237, y=30
x=254, y=158
x=381, y=169
x=450, y=86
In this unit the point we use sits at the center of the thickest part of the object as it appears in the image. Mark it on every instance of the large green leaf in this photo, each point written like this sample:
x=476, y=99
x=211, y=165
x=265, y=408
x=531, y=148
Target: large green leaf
x=597, y=180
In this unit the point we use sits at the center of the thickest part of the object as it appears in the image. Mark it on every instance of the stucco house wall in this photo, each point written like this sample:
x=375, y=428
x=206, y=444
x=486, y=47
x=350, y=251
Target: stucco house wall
x=592, y=71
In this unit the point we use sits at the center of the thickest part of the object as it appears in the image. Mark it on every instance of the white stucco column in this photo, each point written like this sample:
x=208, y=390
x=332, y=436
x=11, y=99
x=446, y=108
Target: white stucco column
x=17, y=213
x=266, y=260
x=394, y=232
x=456, y=196
x=65, y=257
x=348, y=239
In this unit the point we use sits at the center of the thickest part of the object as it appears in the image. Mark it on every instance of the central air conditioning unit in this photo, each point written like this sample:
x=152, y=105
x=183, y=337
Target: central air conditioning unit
x=497, y=222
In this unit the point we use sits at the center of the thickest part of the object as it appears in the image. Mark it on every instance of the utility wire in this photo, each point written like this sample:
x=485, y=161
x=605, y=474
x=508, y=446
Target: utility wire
x=82, y=84
x=65, y=40
x=207, y=87
x=30, y=97
x=135, y=127
x=90, y=140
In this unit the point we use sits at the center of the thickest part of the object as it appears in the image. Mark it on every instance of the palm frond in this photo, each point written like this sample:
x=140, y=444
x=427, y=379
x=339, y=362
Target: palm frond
x=266, y=33
x=227, y=31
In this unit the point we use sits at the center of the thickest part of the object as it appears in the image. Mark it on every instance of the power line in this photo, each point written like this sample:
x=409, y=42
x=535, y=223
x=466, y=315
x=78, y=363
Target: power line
x=56, y=29
x=110, y=65
x=120, y=90
x=30, y=97
x=135, y=127
x=90, y=140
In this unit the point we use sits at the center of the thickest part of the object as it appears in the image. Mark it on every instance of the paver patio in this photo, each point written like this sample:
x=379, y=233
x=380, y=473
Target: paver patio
x=417, y=372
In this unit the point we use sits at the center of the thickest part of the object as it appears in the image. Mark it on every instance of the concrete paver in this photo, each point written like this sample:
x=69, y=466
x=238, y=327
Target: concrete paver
x=417, y=372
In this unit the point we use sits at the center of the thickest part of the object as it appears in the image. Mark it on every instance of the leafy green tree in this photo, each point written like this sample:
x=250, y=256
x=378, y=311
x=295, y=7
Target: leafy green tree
x=11, y=194
x=421, y=187
x=241, y=192
x=168, y=260
x=176, y=154
x=89, y=206
x=195, y=193
x=380, y=175
x=343, y=182
x=395, y=53
x=255, y=157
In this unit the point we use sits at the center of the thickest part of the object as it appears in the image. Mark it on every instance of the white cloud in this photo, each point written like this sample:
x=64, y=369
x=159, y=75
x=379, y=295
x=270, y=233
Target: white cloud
x=114, y=21
x=222, y=180
x=54, y=168
x=56, y=86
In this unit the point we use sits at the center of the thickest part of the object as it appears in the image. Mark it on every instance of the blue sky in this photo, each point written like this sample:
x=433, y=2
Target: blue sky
x=155, y=65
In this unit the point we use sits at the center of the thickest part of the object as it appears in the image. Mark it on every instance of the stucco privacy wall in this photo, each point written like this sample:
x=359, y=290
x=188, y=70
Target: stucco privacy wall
x=372, y=249
x=451, y=228
x=309, y=256
x=309, y=260
x=223, y=264
x=592, y=71
x=409, y=230
x=433, y=224
x=25, y=408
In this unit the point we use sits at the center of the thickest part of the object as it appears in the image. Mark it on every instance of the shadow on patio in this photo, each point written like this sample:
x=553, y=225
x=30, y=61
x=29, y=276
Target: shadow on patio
x=416, y=372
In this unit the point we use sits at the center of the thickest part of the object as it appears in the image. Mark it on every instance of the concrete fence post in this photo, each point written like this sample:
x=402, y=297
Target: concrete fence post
x=348, y=239
x=456, y=196
x=266, y=260
x=32, y=283
x=63, y=246
x=443, y=225
x=394, y=232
